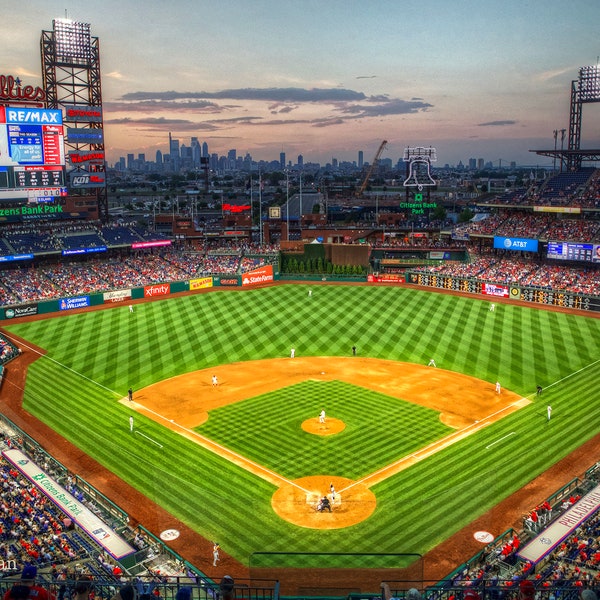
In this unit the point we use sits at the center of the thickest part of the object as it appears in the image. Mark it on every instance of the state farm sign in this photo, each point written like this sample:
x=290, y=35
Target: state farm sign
x=262, y=275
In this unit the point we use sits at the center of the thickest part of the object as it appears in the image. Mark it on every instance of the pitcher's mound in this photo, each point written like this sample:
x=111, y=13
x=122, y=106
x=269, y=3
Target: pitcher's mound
x=297, y=501
x=330, y=427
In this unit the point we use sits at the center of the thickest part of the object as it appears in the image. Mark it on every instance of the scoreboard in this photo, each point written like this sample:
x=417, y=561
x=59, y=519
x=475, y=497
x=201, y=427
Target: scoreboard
x=32, y=154
x=573, y=251
x=561, y=298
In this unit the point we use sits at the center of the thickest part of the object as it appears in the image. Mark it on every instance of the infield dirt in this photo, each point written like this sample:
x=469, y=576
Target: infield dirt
x=465, y=403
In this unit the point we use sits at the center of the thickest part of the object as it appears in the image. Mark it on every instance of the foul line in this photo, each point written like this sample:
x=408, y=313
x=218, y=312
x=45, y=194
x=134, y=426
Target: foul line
x=429, y=450
x=62, y=365
x=570, y=375
x=230, y=455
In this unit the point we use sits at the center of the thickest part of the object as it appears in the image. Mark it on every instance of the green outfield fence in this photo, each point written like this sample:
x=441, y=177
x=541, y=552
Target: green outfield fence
x=562, y=298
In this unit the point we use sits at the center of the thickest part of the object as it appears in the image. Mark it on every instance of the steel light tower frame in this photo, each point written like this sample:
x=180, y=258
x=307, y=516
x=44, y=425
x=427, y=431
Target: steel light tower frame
x=71, y=76
x=585, y=89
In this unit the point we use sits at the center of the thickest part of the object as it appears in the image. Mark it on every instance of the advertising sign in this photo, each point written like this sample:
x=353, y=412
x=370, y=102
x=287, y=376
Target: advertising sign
x=198, y=284
x=163, y=289
x=116, y=296
x=97, y=529
x=13, y=257
x=262, y=275
x=151, y=244
x=95, y=157
x=523, y=244
x=32, y=155
x=71, y=303
x=491, y=289
x=561, y=528
x=85, y=179
x=26, y=310
x=85, y=135
x=86, y=114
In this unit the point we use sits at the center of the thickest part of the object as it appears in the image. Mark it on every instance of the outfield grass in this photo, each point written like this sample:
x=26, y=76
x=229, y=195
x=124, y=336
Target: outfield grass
x=94, y=357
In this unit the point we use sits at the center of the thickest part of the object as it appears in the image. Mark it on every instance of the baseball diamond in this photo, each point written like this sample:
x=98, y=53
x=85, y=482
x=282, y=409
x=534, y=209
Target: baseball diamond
x=426, y=450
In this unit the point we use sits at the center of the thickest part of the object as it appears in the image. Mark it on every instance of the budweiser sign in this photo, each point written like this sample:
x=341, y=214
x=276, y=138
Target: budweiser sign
x=11, y=90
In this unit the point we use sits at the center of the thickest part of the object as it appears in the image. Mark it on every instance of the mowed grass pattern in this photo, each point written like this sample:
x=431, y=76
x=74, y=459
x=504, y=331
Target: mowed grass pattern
x=276, y=419
x=94, y=357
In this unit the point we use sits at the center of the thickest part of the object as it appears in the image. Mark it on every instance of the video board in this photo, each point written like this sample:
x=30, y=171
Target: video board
x=32, y=154
x=573, y=251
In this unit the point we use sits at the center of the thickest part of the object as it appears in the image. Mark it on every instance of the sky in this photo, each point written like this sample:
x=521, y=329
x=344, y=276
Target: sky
x=327, y=78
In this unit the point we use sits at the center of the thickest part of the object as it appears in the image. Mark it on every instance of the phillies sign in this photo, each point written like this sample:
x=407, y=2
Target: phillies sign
x=13, y=92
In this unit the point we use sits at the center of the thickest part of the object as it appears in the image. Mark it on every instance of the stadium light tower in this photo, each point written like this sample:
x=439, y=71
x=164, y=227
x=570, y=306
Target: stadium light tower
x=584, y=90
x=71, y=76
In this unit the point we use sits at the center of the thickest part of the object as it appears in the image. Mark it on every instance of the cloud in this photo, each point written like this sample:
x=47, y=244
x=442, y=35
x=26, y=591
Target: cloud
x=497, y=123
x=114, y=75
x=392, y=107
x=204, y=106
x=265, y=94
x=162, y=124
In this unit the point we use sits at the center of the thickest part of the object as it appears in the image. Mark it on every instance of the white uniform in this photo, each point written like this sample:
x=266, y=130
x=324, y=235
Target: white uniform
x=215, y=554
x=492, y=307
x=497, y=387
x=322, y=416
x=431, y=363
x=215, y=381
x=131, y=424
x=549, y=412
x=130, y=308
x=292, y=353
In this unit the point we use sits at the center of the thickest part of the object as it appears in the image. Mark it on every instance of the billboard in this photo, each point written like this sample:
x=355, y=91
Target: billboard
x=32, y=154
x=522, y=244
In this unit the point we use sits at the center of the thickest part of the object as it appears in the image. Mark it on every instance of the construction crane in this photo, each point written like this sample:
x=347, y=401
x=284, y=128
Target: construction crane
x=363, y=185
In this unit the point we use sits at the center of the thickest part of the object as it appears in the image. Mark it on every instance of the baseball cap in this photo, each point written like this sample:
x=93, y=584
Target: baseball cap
x=471, y=595
x=413, y=594
x=29, y=572
x=527, y=588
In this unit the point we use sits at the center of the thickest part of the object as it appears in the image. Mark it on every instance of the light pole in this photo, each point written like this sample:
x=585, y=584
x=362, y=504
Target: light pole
x=300, y=214
x=260, y=229
x=287, y=202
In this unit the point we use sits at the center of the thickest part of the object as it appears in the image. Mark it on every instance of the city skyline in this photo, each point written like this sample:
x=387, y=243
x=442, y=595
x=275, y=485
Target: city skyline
x=327, y=80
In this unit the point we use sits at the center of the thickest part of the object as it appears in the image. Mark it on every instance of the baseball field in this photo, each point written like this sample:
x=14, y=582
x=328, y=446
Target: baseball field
x=414, y=452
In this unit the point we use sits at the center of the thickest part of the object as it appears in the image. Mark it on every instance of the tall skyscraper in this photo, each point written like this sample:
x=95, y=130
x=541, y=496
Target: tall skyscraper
x=205, y=149
x=173, y=148
x=300, y=160
x=282, y=160
x=196, y=151
x=361, y=159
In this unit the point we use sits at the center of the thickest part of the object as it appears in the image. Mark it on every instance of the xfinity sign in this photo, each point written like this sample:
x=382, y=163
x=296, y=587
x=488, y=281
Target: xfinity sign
x=522, y=244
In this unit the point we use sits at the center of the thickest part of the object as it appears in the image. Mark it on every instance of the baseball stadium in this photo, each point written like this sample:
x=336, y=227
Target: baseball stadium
x=288, y=405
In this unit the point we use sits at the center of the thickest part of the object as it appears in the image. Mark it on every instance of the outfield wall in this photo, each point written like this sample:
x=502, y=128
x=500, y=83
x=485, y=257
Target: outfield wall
x=534, y=295
x=268, y=275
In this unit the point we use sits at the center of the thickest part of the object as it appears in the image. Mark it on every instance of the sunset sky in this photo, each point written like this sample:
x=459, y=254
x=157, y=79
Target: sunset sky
x=328, y=78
